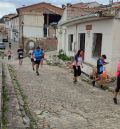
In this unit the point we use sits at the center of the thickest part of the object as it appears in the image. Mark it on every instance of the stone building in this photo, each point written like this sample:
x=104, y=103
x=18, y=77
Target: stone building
x=37, y=23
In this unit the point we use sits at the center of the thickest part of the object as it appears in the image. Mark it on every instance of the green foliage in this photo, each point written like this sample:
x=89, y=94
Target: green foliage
x=63, y=56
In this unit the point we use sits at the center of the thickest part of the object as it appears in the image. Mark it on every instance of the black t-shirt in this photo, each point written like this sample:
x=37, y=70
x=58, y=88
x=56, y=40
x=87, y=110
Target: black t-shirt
x=20, y=53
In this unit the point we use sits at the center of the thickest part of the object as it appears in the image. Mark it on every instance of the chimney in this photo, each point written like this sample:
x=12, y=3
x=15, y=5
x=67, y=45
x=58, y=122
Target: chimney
x=69, y=4
x=63, y=6
x=110, y=2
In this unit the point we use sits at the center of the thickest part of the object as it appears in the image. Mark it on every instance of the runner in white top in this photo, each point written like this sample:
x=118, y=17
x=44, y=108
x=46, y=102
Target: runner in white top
x=77, y=64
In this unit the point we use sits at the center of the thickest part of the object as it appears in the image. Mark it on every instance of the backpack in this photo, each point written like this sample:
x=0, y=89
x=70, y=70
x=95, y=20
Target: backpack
x=37, y=54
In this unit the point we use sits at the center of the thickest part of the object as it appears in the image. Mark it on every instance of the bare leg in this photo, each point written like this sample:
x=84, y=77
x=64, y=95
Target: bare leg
x=75, y=79
x=116, y=94
x=42, y=62
x=115, y=97
x=37, y=67
x=20, y=61
x=33, y=65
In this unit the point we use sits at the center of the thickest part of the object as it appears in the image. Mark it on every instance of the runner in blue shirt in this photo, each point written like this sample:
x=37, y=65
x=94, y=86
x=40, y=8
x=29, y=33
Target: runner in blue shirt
x=37, y=58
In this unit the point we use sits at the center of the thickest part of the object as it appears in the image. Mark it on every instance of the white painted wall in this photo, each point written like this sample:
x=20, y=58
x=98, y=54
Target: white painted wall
x=33, y=26
x=33, y=31
x=61, y=35
x=33, y=20
x=115, y=44
x=102, y=26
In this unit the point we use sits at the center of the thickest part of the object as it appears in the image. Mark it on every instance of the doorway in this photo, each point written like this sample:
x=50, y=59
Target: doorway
x=82, y=41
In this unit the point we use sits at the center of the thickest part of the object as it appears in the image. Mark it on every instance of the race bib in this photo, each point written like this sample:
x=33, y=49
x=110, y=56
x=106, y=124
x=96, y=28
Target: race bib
x=21, y=56
x=34, y=59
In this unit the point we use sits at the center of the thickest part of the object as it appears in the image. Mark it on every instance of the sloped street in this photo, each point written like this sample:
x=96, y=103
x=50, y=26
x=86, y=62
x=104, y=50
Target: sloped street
x=57, y=103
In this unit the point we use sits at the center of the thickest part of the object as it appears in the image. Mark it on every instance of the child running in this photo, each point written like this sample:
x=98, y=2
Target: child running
x=100, y=63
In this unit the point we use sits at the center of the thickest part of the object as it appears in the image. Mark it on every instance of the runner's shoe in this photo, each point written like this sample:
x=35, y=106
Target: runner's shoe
x=115, y=100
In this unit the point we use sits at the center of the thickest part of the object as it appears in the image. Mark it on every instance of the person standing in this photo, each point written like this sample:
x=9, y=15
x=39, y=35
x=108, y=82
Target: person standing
x=32, y=57
x=37, y=58
x=20, y=52
x=117, y=89
x=77, y=63
x=9, y=54
x=10, y=45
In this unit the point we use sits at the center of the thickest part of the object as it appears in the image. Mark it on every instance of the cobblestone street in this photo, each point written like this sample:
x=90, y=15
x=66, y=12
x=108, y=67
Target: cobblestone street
x=57, y=103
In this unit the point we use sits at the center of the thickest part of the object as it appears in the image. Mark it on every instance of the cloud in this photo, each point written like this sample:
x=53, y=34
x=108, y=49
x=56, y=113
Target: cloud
x=6, y=7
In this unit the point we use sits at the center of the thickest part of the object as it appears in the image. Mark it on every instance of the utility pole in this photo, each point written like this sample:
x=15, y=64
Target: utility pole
x=22, y=35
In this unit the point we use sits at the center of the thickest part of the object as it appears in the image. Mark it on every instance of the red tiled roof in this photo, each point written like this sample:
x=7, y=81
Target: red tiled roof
x=74, y=12
x=80, y=5
x=42, y=5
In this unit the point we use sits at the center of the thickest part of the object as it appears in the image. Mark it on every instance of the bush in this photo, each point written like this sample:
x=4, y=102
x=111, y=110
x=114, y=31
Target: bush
x=63, y=56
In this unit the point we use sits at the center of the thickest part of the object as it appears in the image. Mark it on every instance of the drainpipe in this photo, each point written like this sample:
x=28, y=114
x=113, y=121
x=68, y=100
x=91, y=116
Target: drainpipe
x=22, y=35
x=75, y=44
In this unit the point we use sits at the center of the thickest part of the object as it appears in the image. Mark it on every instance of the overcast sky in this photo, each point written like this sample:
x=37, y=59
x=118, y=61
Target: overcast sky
x=9, y=6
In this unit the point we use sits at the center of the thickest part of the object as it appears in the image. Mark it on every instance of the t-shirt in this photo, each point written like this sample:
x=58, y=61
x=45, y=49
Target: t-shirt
x=100, y=64
x=20, y=53
x=77, y=61
x=31, y=54
x=37, y=55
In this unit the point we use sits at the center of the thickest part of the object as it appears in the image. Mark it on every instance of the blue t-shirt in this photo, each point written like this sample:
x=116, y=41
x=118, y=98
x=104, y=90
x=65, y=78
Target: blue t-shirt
x=37, y=54
x=100, y=64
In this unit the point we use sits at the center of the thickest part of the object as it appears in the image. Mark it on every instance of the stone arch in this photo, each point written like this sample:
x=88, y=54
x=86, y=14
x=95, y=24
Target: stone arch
x=30, y=44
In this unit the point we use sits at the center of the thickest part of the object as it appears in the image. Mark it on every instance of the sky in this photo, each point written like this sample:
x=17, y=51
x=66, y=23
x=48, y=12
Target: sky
x=9, y=6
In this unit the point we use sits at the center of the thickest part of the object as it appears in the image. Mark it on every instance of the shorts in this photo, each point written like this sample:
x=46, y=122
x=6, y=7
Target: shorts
x=118, y=84
x=20, y=57
x=37, y=62
x=32, y=60
x=9, y=57
x=99, y=73
x=77, y=71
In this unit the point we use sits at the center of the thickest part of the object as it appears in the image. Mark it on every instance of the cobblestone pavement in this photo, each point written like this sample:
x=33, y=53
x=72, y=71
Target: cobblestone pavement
x=57, y=103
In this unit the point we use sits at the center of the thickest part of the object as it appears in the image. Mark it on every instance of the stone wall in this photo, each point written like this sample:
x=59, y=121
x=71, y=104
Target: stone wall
x=47, y=44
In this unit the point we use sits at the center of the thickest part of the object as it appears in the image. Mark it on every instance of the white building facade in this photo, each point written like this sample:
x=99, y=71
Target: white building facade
x=95, y=35
x=15, y=28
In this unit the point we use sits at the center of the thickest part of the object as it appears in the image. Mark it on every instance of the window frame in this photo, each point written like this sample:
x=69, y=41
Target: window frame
x=96, y=52
x=70, y=41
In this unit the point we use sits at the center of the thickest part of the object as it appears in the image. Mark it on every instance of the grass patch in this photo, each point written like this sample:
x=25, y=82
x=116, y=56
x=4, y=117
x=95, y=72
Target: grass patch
x=19, y=92
x=5, y=99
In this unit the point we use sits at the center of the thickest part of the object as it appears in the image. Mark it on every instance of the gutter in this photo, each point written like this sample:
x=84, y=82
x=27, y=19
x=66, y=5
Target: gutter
x=80, y=18
x=85, y=18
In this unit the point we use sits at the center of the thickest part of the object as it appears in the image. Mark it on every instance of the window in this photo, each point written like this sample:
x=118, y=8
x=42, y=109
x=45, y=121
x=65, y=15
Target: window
x=97, y=45
x=45, y=31
x=70, y=42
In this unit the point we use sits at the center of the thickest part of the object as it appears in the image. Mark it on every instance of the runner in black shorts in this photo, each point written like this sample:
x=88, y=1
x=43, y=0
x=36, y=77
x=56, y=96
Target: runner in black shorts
x=20, y=55
x=37, y=58
x=117, y=89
